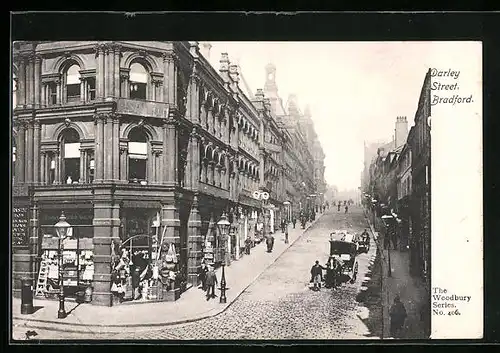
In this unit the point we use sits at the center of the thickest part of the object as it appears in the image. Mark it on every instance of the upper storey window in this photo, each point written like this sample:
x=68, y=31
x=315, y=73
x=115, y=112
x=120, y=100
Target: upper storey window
x=138, y=81
x=73, y=84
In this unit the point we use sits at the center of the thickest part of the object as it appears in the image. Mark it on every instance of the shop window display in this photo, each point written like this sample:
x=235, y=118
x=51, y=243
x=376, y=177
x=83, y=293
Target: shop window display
x=143, y=271
x=77, y=266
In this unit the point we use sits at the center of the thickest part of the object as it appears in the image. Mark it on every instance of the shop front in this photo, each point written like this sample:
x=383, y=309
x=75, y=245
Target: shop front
x=145, y=267
x=74, y=253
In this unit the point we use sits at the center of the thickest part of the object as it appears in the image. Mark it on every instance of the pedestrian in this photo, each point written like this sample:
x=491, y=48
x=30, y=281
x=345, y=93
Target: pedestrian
x=329, y=273
x=398, y=317
x=294, y=220
x=338, y=207
x=270, y=243
x=317, y=275
x=211, y=281
x=248, y=245
x=346, y=208
x=202, y=275
x=286, y=233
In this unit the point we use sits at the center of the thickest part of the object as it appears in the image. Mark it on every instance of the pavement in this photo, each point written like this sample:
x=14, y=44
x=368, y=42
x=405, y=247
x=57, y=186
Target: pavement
x=275, y=302
x=410, y=289
x=191, y=306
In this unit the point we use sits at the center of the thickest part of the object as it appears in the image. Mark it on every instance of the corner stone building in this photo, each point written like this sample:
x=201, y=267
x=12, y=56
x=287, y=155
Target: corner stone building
x=120, y=134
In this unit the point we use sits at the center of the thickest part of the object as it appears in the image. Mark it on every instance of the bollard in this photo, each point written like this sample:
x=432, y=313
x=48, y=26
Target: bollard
x=27, y=296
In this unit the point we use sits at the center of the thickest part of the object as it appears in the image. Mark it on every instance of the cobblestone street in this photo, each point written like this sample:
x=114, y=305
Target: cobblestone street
x=279, y=304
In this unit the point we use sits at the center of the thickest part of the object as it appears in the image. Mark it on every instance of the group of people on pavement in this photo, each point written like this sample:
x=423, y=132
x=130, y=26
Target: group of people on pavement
x=333, y=270
x=208, y=279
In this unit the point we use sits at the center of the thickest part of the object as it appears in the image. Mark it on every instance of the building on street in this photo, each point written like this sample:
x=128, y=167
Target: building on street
x=143, y=146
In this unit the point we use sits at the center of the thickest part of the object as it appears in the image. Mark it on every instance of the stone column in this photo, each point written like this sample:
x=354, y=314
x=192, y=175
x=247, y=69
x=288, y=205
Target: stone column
x=82, y=166
x=99, y=149
x=203, y=171
x=217, y=170
x=20, y=154
x=108, y=71
x=116, y=147
x=100, y=72
x=195, y=160
x=58, y=91
x=203, y=115
x=43, y=167
x=29, y=153
x=123, y=164
x=194, y=97
x=171, y=157
x=262, y=160
x=210, y=172
x=21, y=82
x=30, y=82
x=116, y=71
x=195, y=241
x=38, y=76
x=210, y=119
x=169, y=78
x=82, y=90
x=108, y=147
x=106, y=224
x=57, y=172
x=36, y=152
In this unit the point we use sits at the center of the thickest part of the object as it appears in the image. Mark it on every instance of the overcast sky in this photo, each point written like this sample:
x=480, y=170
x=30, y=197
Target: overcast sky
x=355, y=90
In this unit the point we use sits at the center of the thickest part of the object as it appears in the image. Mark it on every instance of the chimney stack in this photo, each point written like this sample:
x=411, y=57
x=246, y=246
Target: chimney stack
x=401, y=131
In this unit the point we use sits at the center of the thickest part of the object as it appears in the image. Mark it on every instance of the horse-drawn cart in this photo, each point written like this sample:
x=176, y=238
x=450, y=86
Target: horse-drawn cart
x=345, y=253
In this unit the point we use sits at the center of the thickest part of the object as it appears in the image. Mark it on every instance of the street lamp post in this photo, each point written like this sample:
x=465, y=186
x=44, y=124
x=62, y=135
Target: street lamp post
x=387, y=225
x=223, y=226
x=61, y=230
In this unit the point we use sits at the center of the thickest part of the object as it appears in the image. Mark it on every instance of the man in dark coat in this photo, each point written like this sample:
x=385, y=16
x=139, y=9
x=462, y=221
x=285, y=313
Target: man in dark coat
x=211, y=282
x=398, y=317
x=317, y=275
x=202, y=275
x=294, y=220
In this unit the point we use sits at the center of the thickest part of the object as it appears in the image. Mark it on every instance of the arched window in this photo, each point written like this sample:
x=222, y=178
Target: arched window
x=72, y=82
x=138, y=81
x=138, y=156
x=70, y=154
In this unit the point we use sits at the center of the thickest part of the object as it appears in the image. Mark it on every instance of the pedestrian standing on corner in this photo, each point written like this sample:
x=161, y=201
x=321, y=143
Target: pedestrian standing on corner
x=211, y=282
x=294, y=220
x=346, y=208
x=202, y=275
x=317, y=275
x=338, y=207
x=398, y=317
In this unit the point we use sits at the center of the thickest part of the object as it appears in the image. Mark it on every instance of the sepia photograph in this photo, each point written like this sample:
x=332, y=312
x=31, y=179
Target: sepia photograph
x=210, y=190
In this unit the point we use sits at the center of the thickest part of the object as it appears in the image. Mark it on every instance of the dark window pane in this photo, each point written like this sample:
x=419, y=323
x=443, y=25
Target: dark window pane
x=137, y=90
x=137, y=169
x=73, y=91
x=71, y=169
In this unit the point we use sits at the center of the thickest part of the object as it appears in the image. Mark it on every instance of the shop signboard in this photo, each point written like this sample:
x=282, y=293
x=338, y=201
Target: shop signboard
x=19, y=230
x=142, y=108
